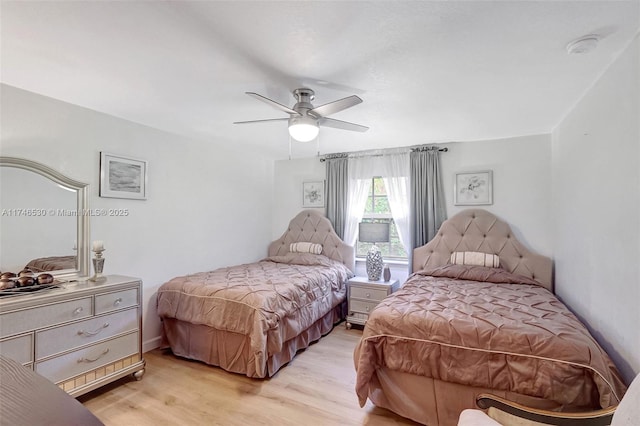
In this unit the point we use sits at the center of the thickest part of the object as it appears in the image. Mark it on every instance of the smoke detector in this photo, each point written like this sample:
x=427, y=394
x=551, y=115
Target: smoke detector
x=583, y=45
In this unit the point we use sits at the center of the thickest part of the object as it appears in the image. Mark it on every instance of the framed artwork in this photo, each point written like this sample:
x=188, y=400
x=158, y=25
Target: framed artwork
x=122, y=177
x=313, y=194
x=473, y=188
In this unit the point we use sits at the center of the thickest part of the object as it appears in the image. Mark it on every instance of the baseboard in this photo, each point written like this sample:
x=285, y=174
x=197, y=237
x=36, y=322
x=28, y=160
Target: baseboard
x=151, y=344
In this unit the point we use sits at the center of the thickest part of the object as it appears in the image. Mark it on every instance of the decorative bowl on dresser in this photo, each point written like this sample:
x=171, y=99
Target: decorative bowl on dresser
x=364, y=295
x=80, y=336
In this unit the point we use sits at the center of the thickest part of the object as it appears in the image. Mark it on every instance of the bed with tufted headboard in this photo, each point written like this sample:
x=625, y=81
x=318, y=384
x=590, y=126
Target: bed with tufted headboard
x=477, y=230
x=478, y=316
x=253, y=318
x=311, y=226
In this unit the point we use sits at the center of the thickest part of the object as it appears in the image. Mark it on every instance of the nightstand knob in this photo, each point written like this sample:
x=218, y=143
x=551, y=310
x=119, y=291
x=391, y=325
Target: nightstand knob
x=367, y=308
x=368, y=295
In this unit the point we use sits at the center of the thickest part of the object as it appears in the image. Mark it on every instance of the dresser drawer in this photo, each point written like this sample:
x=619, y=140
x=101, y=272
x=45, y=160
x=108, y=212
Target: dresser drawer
x=18, y=348
x=117, y=300
x=43, y=316
x=66, y=337
x=75, y=363
x=368, y=293
x=361, y=306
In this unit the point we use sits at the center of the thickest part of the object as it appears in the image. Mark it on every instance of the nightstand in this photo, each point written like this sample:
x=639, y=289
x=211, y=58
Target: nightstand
x=364, y=295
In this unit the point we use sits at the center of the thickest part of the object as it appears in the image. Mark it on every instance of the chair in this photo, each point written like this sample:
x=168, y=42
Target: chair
x=501, y=412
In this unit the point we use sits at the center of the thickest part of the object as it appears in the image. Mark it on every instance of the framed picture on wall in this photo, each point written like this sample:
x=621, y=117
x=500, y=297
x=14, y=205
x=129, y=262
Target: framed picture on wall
x=313, y=194
x=122, y=177
x=473, y=188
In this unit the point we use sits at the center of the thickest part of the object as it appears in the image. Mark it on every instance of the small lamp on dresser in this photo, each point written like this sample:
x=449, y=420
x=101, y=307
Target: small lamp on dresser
x=373, y=233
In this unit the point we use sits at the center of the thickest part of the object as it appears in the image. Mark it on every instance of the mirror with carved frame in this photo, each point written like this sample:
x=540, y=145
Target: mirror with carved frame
x=44, y=225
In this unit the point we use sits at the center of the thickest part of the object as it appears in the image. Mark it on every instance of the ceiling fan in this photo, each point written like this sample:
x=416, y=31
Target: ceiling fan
x=305, y=119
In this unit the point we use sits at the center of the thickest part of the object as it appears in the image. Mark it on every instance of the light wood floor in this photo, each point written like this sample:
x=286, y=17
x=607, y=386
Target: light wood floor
x=316, y=388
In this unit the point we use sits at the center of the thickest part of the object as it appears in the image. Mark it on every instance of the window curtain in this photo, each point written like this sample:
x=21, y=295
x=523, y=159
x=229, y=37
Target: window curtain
x=361, y=170
x=428, y=209
x=395, y=175
x=337, y=193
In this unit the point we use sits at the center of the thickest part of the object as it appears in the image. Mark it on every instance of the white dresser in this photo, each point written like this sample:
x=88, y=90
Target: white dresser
x=364, y=295
x=81, y=336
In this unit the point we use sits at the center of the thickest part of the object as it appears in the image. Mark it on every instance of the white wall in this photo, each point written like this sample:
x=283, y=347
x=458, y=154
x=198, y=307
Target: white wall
x=206, y=205
x=287, y=193
x=596, y=206
x=521, y=183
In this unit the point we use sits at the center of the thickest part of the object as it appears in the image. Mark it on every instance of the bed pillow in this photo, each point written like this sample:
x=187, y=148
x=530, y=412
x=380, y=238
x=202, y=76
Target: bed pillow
x=475, y=258
x=305, y=248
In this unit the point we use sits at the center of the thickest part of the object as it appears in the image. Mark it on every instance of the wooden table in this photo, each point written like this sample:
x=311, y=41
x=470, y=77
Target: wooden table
x=27, y=398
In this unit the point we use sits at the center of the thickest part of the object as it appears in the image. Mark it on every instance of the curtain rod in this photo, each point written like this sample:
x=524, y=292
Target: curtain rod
x=355, y=154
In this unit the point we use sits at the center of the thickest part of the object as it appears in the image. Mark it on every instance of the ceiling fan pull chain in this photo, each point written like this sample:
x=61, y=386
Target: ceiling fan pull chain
x=318, y=145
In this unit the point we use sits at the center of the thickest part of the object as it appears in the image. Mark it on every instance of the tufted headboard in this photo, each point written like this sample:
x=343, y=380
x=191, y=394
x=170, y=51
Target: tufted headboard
x=479, y=230
x=311, y=226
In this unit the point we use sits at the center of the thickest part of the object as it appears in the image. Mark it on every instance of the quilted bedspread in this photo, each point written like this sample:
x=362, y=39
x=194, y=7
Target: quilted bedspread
x=488, y=328
x=256, y=299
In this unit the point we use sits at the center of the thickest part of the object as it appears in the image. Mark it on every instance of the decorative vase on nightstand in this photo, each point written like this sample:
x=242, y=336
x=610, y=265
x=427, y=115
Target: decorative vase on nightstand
x=374, y=263
x=373, y=233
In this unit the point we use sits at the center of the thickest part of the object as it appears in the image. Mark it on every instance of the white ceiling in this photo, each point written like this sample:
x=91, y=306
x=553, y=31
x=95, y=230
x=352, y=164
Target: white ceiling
x=430, y=71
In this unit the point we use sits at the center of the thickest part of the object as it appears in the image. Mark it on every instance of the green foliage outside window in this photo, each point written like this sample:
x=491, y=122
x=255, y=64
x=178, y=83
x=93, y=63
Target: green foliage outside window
x=377, y=210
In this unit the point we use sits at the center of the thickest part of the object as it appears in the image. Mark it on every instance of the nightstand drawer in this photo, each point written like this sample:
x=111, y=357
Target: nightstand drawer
x=368, y=293
x=362, y=306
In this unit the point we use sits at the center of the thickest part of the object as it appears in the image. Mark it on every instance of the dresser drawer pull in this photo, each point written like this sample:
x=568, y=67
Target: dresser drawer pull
x=368, y=295
x=367, y=308
x=93, y=333
x=106, y=351
x=118, y=301
x=77, y=310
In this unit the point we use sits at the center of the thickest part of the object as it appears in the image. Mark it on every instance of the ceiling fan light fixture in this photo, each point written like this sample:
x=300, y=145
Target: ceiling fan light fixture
x=304, y=119
x=303, y=129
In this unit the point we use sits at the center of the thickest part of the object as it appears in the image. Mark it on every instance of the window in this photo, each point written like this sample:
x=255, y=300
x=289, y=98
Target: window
x=377, y=210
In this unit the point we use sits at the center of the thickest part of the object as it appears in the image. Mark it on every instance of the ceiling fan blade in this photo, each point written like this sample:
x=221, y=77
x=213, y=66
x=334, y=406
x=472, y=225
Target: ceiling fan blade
x=273, y=103
x=344, y=125
x=260, y=121
x=336, y=106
